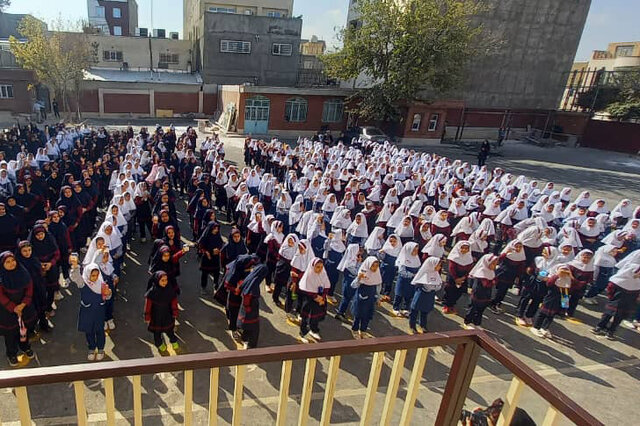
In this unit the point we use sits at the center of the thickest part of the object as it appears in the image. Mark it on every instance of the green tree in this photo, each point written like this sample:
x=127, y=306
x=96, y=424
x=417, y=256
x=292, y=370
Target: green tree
x=4, y=4
x=627, y=104
x=58, y=58
x=406, y=50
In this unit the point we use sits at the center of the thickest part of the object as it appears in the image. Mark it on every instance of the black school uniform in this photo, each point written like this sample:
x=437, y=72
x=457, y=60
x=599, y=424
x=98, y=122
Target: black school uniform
x=249, y=315
x=621, y=304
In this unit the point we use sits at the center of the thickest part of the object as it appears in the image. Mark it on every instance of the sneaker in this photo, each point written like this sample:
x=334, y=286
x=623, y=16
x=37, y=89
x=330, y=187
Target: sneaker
x=111, y=324
x=332, y=300
x=422, y=330
x=537, y=332
x=405, y=313
x=611, y=336
x=598, y=331
x=29, y=354
x=13, y=361
x=100, y=356
x=304, y=339
x=413, y=331
x=162, y=347
x=53, y=307
x=245, y=346
x=91, y=356
x=494, y=309
x=469, y=327
x=397, y=314
x=106, y=327
x=144, y=240
x=355, y=335
x=235, y=334
x=590, y=301
x=547, y=334
x=49, y=324
x=529, y=321
x=521, y=322
x=315, y=335
x=628, y=324
x=175, y=346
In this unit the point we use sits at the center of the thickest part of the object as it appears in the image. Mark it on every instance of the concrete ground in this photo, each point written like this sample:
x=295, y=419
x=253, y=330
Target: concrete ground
x=599, y=374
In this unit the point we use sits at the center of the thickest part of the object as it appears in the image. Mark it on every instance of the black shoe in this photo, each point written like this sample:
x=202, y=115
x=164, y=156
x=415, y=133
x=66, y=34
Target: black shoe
x=13, y=361
x=610, y=336
x=598, y=331
x=30, y=354
x=494, y=309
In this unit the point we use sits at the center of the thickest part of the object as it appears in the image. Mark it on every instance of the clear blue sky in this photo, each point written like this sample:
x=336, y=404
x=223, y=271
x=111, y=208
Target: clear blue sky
x=608, y=21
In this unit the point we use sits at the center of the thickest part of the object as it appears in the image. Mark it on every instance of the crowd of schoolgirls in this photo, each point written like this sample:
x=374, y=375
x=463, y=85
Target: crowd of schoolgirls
x=319, y=225
x=74, y=197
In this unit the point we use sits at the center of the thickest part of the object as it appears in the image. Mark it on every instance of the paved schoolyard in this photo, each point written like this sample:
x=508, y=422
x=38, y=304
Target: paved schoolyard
x=599, y=374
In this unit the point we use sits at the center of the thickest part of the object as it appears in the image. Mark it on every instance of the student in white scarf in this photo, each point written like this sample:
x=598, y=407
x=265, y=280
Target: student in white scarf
x=426, y=282
x=313, y=288
x=408, y=263
x=93, y=295
x=604, y=260
x=622, y=294
x=369, y=283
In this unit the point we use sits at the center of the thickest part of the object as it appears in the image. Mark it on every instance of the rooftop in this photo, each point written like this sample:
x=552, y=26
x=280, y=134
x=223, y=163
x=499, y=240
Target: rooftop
x=120, y=76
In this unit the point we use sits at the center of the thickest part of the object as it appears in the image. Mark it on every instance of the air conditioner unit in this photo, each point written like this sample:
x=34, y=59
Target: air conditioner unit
x=174, y=35
x=159, y=33
x=142, y=32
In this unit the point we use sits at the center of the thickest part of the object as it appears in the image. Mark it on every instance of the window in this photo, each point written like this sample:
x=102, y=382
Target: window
x=99, y=11
x=117, y=31
x=624, y=51
x=6, y=91
x=415, y=126
x=332, y=111
x=433, y=123
x=112, y=56
x=274, y=14
x=235, y=46
x=295, y=110
x=281, y=49
x=170, y=58
x=117, y=13
x=257, y=109
x=222, y=9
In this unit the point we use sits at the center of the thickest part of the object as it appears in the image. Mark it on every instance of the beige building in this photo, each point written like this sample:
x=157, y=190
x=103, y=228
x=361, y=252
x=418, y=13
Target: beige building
x=193, y=12
x=618, y=56
x=313, y=47
x=141, y=53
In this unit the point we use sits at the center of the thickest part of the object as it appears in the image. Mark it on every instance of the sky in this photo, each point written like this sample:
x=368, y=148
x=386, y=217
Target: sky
x=608, y=20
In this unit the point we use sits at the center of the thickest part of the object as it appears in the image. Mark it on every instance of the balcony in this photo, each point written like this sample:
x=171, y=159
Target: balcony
x=325, y=365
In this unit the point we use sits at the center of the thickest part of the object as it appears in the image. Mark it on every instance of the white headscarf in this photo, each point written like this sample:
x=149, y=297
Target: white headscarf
x=407, y=258
x=433, y=248
x=313, y=282
x=627, y=278
x=603, y=257
x=577, y=262
x=374, y=242
x=286, y=251
x=389, y=249
x=350, y=258
x=95, y=286
x=459, y=258
x=370, y=278
x=512, y=254
x=427, y=275
x=358, y=230
x=482, y=269
x=302, y=261
x=335, y=243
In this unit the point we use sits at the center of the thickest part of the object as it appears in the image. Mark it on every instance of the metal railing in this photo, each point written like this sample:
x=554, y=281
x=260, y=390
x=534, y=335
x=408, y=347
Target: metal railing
x=467, y=343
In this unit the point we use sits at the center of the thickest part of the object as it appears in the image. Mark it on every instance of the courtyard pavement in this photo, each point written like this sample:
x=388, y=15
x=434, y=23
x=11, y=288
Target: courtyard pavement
x=599, y=374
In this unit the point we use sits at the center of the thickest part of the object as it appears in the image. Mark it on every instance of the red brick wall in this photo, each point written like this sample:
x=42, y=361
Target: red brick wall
x=117, y=103
x=89, y=101
x=423, y=131
x=178, y=102
x=122, y=22
x=209, y=103
x=277, y=107
x=612, y=136
x=22, y=98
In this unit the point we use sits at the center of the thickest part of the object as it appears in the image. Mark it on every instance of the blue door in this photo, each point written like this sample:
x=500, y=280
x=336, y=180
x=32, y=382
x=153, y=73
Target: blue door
x=256, y=116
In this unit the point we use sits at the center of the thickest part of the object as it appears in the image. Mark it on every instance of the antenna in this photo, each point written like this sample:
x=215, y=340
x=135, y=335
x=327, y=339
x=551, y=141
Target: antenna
x=151, y=15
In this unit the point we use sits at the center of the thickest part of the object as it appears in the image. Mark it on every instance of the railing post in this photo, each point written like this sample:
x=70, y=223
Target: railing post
x=137, y=401
x=238, y=390
x=455, y=391
x=110, y=402
x=372, y=387
x=551, y=418
x=285, y=381
x=81, y=410
x=414, y=384
x=188, y=397
x=214, y=375
x=392, y=389
x=307, y=389
x=511, y=401
x=332, y=376
x=23, y=406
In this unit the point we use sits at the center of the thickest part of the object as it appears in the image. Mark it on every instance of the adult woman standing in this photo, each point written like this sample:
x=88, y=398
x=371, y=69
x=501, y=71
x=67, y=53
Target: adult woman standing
x=17, y=313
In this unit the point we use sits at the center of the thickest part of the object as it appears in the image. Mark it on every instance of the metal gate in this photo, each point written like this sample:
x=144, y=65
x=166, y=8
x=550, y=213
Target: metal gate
x=256, y=115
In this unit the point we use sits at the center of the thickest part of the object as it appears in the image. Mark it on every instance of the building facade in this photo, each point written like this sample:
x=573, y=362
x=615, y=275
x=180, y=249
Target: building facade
x=238, y=49
x=113, y=17
x=538, y=40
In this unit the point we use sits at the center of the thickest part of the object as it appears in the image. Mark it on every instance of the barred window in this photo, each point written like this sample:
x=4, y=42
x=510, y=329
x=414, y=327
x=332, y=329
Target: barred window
x=281, y=49
x=235, y=46
x=332, y=111
x=295, y=110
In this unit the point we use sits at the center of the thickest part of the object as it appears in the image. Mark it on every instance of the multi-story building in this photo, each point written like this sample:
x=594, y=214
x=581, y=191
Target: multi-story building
x=313, y=47
x=538, y=40
x=256, y=42
x=113, y=17
x=619, y=56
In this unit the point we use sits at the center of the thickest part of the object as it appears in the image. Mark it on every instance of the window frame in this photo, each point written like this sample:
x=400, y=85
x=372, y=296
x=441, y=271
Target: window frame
x=624, y=48
x=113, y=12
x=414, y=127
x=296, y=110
x=169, y=58
x=119, y=30
x=275, y=14
x=100, y=12
x=241, y=42
x=222, y=9
x=333, y=111
x=278, y=47
x=112, y=56
x=6, y=91
x=433, y=122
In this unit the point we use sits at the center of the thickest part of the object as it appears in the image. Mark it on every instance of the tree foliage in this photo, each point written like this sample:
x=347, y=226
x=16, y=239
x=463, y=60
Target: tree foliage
x=406, y=50
x=4, y=4
x=58, y=58
x=618, y=95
